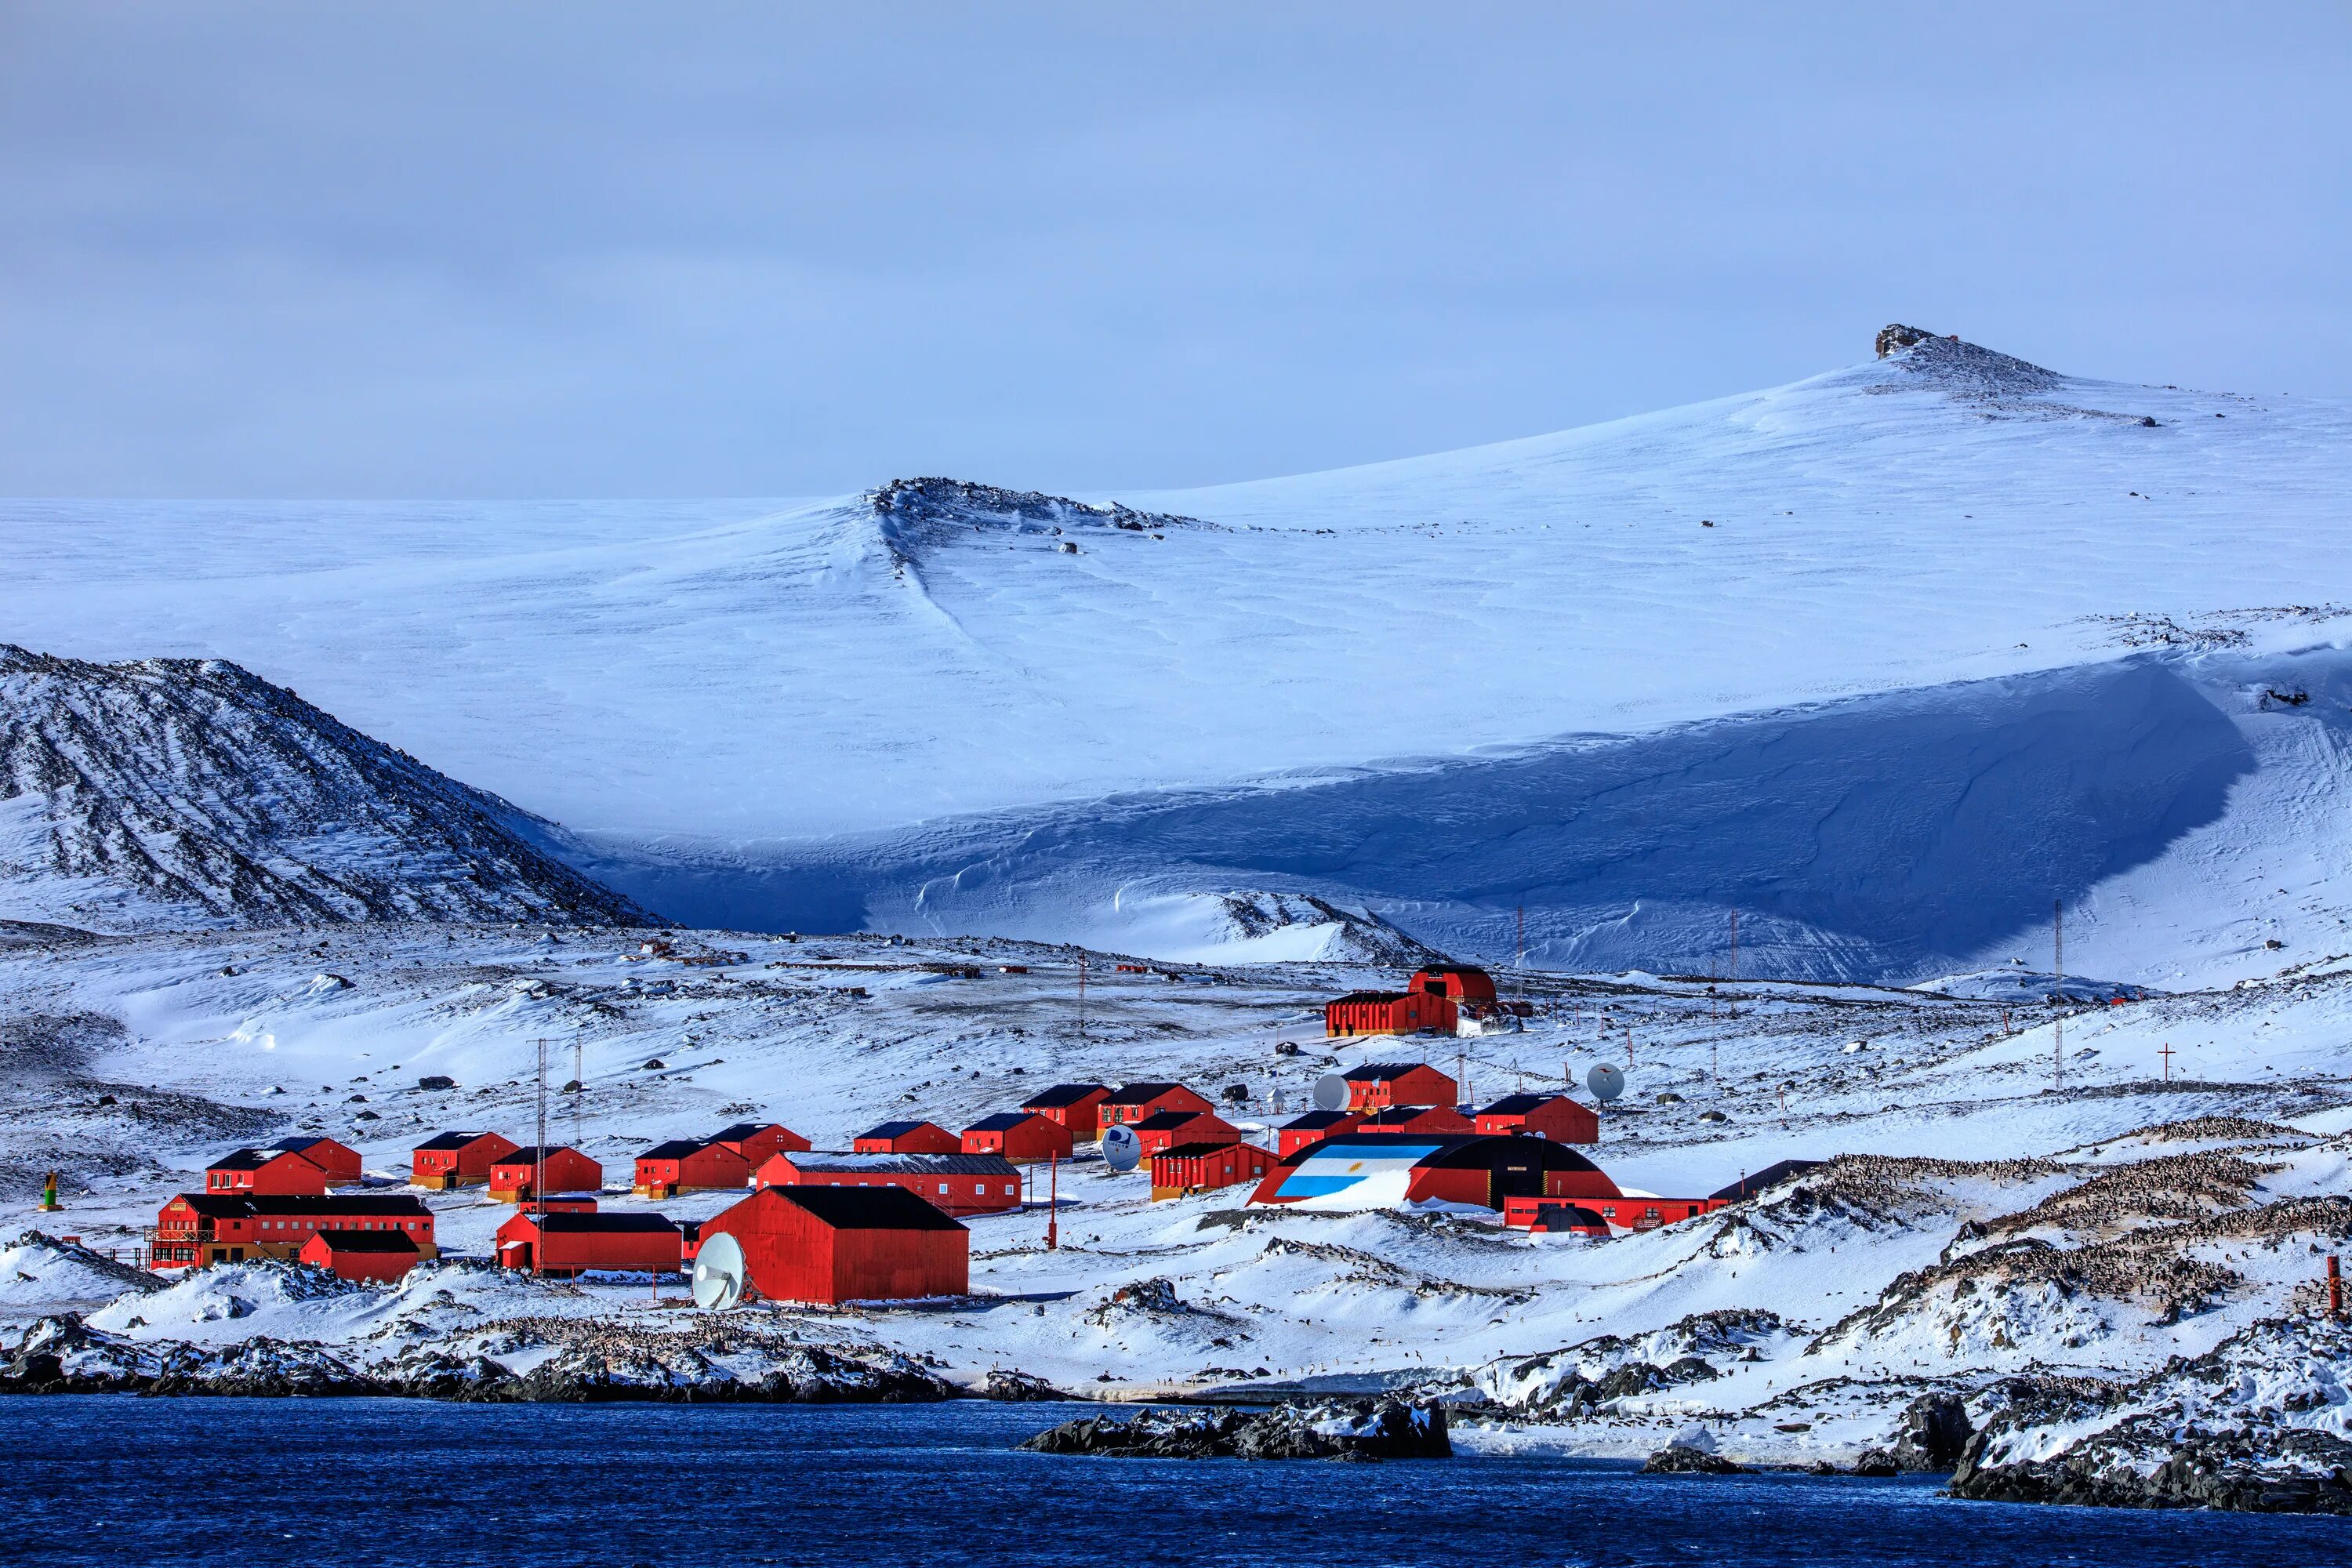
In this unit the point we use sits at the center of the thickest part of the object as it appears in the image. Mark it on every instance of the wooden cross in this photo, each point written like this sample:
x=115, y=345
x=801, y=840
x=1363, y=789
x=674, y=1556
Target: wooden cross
x=2167, y=1053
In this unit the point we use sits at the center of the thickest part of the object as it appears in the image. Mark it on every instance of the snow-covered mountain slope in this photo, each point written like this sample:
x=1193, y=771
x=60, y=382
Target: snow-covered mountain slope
x=1887, y=659
x=180, y=792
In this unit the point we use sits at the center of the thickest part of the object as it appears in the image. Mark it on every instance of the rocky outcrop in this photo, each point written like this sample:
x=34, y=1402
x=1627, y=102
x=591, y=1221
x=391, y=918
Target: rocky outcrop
x=1682, y=1459
x=1366, y=1429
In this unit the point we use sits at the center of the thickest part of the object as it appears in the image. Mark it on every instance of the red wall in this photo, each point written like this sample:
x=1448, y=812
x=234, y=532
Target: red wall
x=793, y=1257
x=1084, y=1118
x=1207, y=1128
x=1418, y=1085
x=1562, y=1121
x=289, y=1176
x=1037, y=1138
x=568, y=1170
x=925, y=1138
x=963, y=1195
x=566, y=1251
x=370, y=1268
x=1178, y=1098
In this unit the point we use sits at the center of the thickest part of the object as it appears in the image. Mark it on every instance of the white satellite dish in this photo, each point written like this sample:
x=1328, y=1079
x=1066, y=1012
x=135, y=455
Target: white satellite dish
x=718, y=1272
x=1331, y=1092
x=1123, y=1150
x=1605, y=1081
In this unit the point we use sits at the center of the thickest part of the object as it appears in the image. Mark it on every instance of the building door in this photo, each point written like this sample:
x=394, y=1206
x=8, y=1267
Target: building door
x=1520, y=1181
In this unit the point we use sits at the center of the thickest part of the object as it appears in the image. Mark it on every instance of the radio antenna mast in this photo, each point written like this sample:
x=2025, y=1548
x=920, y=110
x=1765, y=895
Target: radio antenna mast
x=2058, y=961
x=539, y=1163
x=579, y=1096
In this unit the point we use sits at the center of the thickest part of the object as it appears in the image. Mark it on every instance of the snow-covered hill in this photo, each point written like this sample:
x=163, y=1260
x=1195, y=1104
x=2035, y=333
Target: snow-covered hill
x=178, y=792
x=1887, y=659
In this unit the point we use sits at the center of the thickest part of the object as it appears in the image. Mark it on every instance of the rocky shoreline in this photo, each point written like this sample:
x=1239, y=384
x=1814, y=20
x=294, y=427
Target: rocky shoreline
x=1358, y=1430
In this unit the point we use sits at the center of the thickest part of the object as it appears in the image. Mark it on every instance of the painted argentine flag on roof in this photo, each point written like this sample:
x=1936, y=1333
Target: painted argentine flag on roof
x=1351, y=1176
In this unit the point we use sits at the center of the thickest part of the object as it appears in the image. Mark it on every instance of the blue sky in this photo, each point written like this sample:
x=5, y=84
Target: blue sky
x=623, y=250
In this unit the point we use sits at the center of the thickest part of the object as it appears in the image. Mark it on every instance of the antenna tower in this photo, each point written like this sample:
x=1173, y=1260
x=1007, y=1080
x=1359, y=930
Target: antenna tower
x=2058, y=961
x=579, y=1094
x=539, y=1162
x=1521, y=940
x=1731, y=1003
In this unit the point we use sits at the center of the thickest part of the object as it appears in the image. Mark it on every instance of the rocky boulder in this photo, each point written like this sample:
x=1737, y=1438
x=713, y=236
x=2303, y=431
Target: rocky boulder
x=1365, y=1429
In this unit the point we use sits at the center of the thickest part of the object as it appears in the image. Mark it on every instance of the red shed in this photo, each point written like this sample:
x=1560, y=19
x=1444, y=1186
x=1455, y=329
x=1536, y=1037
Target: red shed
x=339, y=1161
x=1022, y=1136
x=907, y=1138
x=1389, y=1013
x=370, y=1257
x=1422, y=1121
x=1552, y=1116
x=1377, y=1086
x=755, y=1141
x=568, y=1170
x=1163, y=1129
x=457, y=1159
x=1076, y=1106
x=831, y=1245
x=1313, y=1128
x=1455, y=982
x=684, y=1165
x=572, y=1243
x=954, y=1184
x=1135, y=1101
x=1203, y=1167
x=277, y=1171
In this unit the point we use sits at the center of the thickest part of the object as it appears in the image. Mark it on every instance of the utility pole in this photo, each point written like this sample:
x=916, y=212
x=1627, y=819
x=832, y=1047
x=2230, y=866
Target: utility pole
x=1082, y=996
x=1052, y=1202
x=2058, y=961
x=1522, y=942
x=539, y=1162
x=579, y=1096
x=1730, y=1004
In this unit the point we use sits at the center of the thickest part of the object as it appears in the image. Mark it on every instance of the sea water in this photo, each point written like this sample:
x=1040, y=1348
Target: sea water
x=422, y=1485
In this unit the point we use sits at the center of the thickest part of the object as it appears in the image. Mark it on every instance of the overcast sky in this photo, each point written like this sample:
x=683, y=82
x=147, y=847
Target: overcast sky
x=579, y=249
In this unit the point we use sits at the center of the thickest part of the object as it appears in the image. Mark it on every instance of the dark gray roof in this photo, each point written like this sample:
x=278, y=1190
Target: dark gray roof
x=1755, y=1182
x=246, y=1159
x=1139, y=1093
x=834, y=1164
x=1520, y=1104
x=602, y=1223
x=1315, y=1119
x=740, y=1131
x=868, y=1208
x=366, y=1240
x=530, y=1155
x=454, y=1139
x=897, y=1128
x=1187, y=1150
x=1063, y=1094
x=1381, y=1072
x=675, y=1149
x=1002, y=1121
x=405, y=1207
x=1160, y=1121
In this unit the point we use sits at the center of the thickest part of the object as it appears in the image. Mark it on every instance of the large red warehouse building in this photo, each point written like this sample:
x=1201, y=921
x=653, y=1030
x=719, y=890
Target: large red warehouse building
x=831, y=1245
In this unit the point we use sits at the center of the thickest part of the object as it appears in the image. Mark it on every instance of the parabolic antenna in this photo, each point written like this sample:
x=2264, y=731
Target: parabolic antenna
x=719, y=1273
x=1123, y=1150
x=1605, y=1081
x=1331, y=1092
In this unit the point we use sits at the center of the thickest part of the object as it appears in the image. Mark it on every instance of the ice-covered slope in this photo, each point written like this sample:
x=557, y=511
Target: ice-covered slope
x=1622, y=675
x=179, y=793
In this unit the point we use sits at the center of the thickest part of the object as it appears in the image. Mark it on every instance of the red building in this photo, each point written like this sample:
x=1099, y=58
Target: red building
x=831, y=1245
x=1455, y=982
x=568, y=1170
x=907, y=1138
x=457, y=1159
x=1203, y=1167
x=1389, y=1013
x=1022, y=1136
x=368, y=1257
x=1419, y=1121
x=197, y=1228
x=1377, y=1086
x=953, y=1183
x=683, y=1165
x=1313, y=1128
x=339, y=1161
x=1164, y=1130
x=1552, y=1116
x=755, y=1141
x=568, y=1244
x=1076, y=1106
x=275, y=1172
x=1132, y=1102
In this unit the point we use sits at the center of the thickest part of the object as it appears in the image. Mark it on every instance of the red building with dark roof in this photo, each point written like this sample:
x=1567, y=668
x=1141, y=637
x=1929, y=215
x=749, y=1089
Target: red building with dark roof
x=1204, y=1167
x=197, y=1228
x=568, y=1244
x=339, y=1161
x=1076, y=1106
x=1022, y=1136
x=1164, y=1130
x=953, y=1183
x=1378, y=1085
x=755, y=1141
x=367, y=1256
x=1552, y=1116
x=275, y=1172
x=1134, y=1102
x=687, y=1165
x=1455, y=982
x=1313, y=1128
x=451, y=1160
x=831, y=1245
x=568, y=1170
x=1387, y=1012
x=907, y=1138
x=1426, y=1121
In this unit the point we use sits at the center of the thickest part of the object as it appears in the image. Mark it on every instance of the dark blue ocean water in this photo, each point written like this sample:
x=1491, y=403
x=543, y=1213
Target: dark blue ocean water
x=121, y=1480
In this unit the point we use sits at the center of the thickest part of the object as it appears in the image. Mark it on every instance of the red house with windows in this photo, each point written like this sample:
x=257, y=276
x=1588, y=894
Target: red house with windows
x=953, y=1183
x=1378, y=1085
x=1076, y=1106
x=1022, y=1136
x=831, y=1245
x=683, y=1165
x=1552, y=1116
x=197, y=1228
x=512, y=1175
x=755, y=1141
x=1164, y=1130
x=274, y=1171
x=339, y=1161
x=907, y=1138
x=1313, y=1128
x=367, y=1256
x=1388, y=1013
x=1132, y=1102
x=569, y=1244
x=1204, y=1167
x=451, y=1160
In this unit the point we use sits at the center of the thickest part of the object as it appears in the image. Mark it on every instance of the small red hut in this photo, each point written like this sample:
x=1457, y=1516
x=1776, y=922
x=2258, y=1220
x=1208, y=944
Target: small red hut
x=1022, y=1136
x=1378, y=1085
x=276, y=1172
x=1552, y=1116
x=755, y=1141
x=457, y=1159
x=907, y=1138
x=1132, y=1102
x=1164, y=1130
x=685, y=1165
x=1203, y=1167
x=567, y=1243
x=831, y=1245
x=368, y=1257
x=568, y=1170
x=339, y=1161
x=1076, y=1106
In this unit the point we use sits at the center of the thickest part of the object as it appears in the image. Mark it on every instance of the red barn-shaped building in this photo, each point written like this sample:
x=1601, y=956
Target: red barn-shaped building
x=566, y=1244
x=457, y=1160
x=197, y=1228
x=1389, y=1013
x=1203, y=1167
x=568, y=1170
x=1378, y=1085
x=1552, y=1116
x=1132, y=1102
x=907, y=1138
x=831, y=1245
x=1313, y=1128
x=1076, y=1106
x=953, y=1183
x=684, y=1165
x=755, y=1141
x=1455, y=982
x=1163, y=1129
x=339, y=1161
x=278, y=1173
x=1022, y=1136
x=368, y=1257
